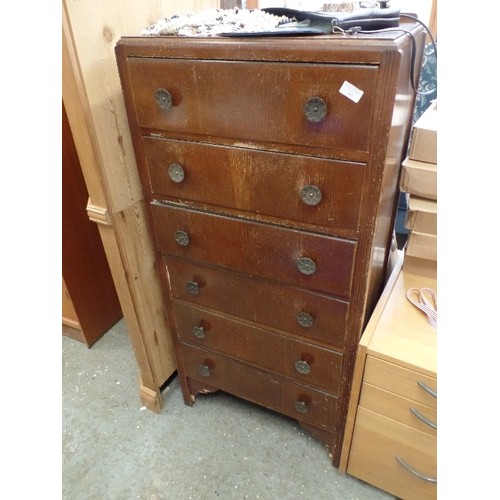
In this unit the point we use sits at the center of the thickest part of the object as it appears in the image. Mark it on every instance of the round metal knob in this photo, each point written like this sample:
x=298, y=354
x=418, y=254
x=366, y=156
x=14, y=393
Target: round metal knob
x=311, y=195
x=182, y=238
x=176, y=172
x=302, y=367
x=199, y=332
x=306, y=265
x=301, y=406
x=305, y=319
x=193, y=288
x=315, y=109
x=163, y=99
x=204, y=370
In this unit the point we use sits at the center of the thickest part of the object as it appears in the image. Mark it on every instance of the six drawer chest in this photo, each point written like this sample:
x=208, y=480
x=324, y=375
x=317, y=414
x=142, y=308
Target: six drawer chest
x=270, y=169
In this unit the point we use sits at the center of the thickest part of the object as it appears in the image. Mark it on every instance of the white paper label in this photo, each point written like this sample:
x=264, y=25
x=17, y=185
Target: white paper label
x=351, y=91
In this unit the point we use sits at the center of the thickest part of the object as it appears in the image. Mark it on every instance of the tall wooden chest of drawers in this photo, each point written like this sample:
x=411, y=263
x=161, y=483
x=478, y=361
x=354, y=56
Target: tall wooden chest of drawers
x=270, y=167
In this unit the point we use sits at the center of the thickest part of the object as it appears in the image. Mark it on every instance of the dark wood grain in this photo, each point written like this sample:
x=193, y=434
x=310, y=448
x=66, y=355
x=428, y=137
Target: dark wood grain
x=258, y=182
x=238, y=128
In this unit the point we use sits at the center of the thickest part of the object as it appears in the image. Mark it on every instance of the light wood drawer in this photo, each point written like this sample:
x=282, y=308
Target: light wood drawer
x=305, y=362
x=406, y=411
x=300, y=258
x=272, y=184
x=399, y=380
x=377, y=441
x=260, y=301
x=269, y=105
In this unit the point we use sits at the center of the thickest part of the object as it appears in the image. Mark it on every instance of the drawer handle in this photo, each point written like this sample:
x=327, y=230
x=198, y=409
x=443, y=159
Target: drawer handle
x=204, y=370
x=301, y=406
x=315, y=109
x=176, y=173
x=199, y=332
x=425, y=420
x=305, y=319
x=427, y=389
x=414, y=472
x=306, y=265
x=311, y=195
x=302, y=367
x=193, y=288
x=182, y=238
x=164, y=99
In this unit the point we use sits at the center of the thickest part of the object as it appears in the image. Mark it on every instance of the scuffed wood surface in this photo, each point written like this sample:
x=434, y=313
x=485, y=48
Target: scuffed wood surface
x=95, y=27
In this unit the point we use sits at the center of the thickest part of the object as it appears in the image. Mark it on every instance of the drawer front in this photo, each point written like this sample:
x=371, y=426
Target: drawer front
x=315, y=191
x=300, y=258
x=405, y=411
x=272, y=104
x=377, y=441
x=307, y=363
x=401, y=381
x=272, y=391
x=297, y=311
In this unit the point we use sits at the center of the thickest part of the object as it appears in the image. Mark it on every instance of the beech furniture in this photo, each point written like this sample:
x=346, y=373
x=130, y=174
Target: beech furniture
x=391, y=432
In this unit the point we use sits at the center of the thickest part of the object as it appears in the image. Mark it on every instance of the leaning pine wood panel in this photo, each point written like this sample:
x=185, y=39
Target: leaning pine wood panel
x=139, y=262
x=79, y=115
x=93, y=99
x=130, y=258
x=94, y=168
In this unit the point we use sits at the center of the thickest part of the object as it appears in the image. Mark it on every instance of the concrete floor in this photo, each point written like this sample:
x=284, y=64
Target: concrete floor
x=222, y=447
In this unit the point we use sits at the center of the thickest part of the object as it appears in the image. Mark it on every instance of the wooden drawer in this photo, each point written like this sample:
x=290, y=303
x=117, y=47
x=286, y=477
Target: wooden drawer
x=397, y=408
x=268, y=105
x=307, y=363
x=269, y=304
x=259, y=249
x=399, y=380
x=377, y=441
x=272, y=391
x=255, y=181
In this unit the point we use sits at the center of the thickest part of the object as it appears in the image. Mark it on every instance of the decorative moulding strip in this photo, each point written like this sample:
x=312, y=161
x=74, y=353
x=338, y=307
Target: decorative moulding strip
x=98, y=214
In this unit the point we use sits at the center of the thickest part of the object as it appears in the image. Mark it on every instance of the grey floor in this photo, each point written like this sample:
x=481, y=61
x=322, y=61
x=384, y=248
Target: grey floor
x=222, y=447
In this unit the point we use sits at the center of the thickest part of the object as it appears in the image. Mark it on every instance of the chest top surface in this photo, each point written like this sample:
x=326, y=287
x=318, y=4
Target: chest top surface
x=325, y=48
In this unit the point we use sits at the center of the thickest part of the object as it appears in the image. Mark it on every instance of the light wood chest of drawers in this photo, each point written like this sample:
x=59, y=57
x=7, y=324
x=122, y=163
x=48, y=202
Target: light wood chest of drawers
x=391, y=434
x=272, y=192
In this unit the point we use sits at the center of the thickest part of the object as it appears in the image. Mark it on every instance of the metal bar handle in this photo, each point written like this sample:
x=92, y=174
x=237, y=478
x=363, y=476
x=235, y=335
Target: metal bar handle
x=427, y=389
x=414, y=472
x=425, y=420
